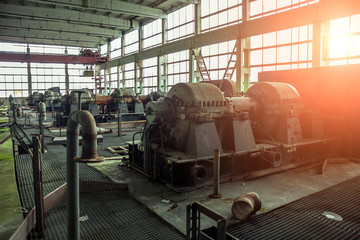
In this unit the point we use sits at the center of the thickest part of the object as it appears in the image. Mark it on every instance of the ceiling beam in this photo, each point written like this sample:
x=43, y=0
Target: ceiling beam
x=171, y=2
x=43, y=58
x=325, y=10
x=119, y=7
x=59, y=26
x=39, y=34
x=65, y=15
x=48, y=42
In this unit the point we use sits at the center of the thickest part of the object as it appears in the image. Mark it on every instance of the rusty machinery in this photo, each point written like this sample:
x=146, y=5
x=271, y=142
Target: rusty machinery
x=123, y=101
x=260, y=130
x=87, y=102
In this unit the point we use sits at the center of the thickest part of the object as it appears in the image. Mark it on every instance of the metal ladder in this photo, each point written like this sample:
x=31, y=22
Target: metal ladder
x=230, y=68
x=202, y=66
x=21, y=136
x=98, y=83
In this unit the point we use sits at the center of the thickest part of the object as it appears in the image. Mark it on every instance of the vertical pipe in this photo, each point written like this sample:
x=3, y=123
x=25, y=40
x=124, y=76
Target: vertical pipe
x=216, y=171
x=88, y=154
x=52, y=108
x=119, y=124
x=216, y=174
x=38, y=189
x=41, y=130
x=14, y=112
x=72, y=199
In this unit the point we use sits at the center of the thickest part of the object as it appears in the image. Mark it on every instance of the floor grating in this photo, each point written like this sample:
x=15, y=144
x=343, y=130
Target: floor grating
x=111, y=214
x=304, y=219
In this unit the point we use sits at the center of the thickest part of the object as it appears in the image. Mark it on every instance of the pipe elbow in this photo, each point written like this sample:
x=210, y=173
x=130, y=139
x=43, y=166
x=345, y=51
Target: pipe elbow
x=89, y=135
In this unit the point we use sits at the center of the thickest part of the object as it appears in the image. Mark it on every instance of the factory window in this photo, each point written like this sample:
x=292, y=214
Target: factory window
x=216, y=58
x=132, y=42
x=181, y=23
x=178, y=70
x=46, y=75
x=13, y=79
x=218, y=14
x=115, y=48
x=149, y=75
x=286, y=49
x=152, y=33
x=103, y=50
x=129, y=75
x=344, y=41
x=263, y=8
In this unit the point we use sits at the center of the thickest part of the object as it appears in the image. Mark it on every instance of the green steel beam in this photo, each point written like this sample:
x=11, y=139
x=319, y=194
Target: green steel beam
x=60, y=27
x=69, y=16
x=322, y=11
x=119, y=7
x=39, y=34
x=48, y=42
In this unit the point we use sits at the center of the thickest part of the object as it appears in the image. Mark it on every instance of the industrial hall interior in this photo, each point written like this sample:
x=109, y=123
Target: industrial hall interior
x=179, y=119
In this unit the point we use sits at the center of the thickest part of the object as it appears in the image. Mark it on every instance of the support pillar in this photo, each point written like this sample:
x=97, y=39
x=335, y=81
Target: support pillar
x=122, y=55
x=135, y=78
x=140, y=63
x=162, y=61
x=158, y=67
x=243, y=55
x=29, y=73
x=194, y=72
x=164, y=40
x=67, y=79
x=320, y=47
x=105, y=83
x=109, y=69
x=118, y=76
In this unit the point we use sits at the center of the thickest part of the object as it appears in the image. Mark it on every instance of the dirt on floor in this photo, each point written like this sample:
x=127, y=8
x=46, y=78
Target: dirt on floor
x=11, y=215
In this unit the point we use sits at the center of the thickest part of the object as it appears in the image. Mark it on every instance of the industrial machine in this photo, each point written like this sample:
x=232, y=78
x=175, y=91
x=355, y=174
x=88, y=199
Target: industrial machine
x=268, y=127
x=87, y=102
x=52, y=100
x=35, y=99
x=127, y=103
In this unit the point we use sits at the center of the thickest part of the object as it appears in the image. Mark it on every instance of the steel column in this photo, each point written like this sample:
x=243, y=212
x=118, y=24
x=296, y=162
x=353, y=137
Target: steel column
x=29, y=73
x=320, y=47
x=67, y=79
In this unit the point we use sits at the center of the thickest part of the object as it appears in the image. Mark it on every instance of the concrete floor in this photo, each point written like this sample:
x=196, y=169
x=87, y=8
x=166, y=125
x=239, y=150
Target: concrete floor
x=274, y=191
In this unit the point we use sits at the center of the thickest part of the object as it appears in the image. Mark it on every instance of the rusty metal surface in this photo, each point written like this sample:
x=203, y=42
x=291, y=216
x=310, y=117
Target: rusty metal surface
x=274, y=92
x=188, y=93
x=228, y=87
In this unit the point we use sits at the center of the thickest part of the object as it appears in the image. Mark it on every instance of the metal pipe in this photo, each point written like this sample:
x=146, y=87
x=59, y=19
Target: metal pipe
x=52, y=108
x=119, y=124
x=243, y=104
x=88, y=154
x=41, y=129
x=216, y=176
x=14, y=112
x=42, y=111
x=38, y=189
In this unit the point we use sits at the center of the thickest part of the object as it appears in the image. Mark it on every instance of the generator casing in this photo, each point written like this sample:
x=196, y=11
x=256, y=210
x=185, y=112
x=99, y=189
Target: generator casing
x=260, y=130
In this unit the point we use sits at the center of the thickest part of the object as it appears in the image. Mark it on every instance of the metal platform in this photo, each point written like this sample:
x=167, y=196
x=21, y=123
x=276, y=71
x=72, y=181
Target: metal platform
x=304, y=218
x=111, y=214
